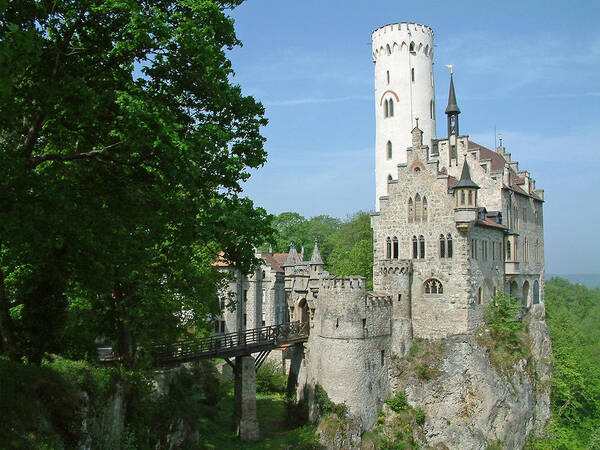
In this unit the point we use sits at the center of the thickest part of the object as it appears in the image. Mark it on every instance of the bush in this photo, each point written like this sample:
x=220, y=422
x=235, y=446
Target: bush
x=270, y=379
x=326, y=406
x=424, y=372
x=398, y=402
x=420, y=417
x=502, y=316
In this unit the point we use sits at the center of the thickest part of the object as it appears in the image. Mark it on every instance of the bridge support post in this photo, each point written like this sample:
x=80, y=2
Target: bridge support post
x=244, y=413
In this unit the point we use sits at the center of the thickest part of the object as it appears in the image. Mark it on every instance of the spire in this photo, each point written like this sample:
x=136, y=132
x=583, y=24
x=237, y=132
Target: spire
x=316, y=256
x=452, y=107
x=465, y=178
x=292, y=256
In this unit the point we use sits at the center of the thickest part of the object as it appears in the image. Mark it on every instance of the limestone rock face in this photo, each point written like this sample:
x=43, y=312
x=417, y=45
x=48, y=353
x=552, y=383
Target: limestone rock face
x=340, y=434
x=468, y=404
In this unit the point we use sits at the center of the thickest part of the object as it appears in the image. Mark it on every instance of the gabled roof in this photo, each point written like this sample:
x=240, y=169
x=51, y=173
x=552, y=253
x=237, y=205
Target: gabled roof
x=497, y=160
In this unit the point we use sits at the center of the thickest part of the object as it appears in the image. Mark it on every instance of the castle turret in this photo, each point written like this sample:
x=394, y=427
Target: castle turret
x=316, y=263
x=452, y=111
x=465, y=192
x=404, y=90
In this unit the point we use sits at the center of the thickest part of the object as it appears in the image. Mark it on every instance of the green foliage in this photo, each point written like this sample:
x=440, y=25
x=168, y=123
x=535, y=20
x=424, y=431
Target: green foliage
x=573, y=314
x=506, y=336
x=424, y=372
x=326, y=406
x=398, y=402
x=124, y=144
x=420, y=416
x=270, y=379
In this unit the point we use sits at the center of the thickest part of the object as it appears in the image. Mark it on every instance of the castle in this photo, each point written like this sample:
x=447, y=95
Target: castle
x=455, y=223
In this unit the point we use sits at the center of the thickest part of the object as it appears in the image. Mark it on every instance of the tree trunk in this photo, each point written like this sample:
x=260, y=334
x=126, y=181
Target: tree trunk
x=7, y=333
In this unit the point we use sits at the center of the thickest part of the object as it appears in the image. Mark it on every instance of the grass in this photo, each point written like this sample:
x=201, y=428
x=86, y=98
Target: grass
x=274, y=431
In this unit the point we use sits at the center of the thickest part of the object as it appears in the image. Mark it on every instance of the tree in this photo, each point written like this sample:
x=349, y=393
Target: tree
x=123, y=143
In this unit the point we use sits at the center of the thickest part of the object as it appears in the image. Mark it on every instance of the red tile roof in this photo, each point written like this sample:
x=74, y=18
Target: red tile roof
x=490, y=223
x=497, y=160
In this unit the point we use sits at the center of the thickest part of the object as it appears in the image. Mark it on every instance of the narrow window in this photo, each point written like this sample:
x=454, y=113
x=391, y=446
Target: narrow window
x=412, y=74
x=418, y=208
x=245, y=295
x=399, y=297
x=390, y=177
x=391, y=108
x=388, y=49
x=364, y=322
x=386, y=111
x=462, y=197
x=388, y=247
x=412, y=47
x=263, y=321
x=442, y=246
x=480, y=297
x=388, y=76
x=395, y=247
x=337, y=322
x=536, y=292
x=449, y=240
x=431, y=109
x=424, y=209
x=470, y=198
x=422, y=246
x=382, y=357
x=245, y=319
x=508, y=252
x=389, y=149
x=411, y=210
x=415, y=247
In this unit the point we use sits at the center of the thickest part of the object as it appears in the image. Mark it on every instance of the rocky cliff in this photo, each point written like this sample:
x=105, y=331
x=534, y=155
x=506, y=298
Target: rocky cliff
x=470, y=396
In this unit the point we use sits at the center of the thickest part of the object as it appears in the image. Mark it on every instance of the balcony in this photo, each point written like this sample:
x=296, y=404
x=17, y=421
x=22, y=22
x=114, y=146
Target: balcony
x=511, y=268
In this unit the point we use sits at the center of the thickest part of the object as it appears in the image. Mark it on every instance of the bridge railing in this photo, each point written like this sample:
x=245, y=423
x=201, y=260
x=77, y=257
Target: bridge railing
x=228, y=343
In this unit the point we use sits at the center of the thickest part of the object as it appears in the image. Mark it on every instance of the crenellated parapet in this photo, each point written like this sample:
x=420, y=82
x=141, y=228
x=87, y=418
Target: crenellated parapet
x=402, y=37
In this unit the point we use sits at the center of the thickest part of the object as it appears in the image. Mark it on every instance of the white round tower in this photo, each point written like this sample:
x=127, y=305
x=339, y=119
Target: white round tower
x=404, y=91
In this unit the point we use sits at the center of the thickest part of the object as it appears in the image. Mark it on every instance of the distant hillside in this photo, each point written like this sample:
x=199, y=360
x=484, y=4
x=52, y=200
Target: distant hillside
x=589, y=280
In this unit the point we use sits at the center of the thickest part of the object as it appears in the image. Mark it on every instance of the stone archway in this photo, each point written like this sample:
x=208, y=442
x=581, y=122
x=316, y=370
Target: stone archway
x=525, y=296
x=302, y=312
x=514, y=289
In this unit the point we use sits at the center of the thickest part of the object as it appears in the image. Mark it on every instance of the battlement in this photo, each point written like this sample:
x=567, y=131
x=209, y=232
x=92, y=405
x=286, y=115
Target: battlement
x=393, y=266
x=402, y=37
x=349, y=283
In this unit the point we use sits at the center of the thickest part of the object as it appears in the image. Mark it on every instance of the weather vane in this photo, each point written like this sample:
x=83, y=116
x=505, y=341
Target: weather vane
x=451, y=67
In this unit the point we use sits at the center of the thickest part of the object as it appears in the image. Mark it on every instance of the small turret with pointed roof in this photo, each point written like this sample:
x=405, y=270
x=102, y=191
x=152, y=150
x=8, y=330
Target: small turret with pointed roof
x=316, y=256
x=292, y=257
x=465, y=178
x=452, y=110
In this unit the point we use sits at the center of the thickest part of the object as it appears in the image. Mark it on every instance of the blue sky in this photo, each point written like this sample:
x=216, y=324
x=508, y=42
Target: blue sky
x=530, y=68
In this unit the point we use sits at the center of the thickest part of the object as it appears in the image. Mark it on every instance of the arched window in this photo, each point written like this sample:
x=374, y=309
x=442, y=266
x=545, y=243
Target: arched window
x=388, y=147
x=388, y=248
x=388, y=49
x=390, y=177
x=424, y=209
x=421, y=247
x=415, y=248
x=470, y=197
x=386, y=108
x=442, y=246
x=418, y=208
x=411, y=210
x=536, y=292
x=391, y=108
x=412, y=47
x=449, y=240
x=395, y=247
x=433, y=286
x=508, y=251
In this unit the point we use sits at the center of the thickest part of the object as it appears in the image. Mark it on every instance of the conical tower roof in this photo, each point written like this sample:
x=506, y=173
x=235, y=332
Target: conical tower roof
x=452, y=106
x=316, y=256
x=465, y=178
x=292, y=257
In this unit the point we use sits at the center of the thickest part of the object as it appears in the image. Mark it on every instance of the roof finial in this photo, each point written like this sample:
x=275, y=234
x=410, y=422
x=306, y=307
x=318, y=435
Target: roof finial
x=451, y=66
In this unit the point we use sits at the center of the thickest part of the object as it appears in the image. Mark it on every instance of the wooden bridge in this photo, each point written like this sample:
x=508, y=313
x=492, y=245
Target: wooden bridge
x=256, y=340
